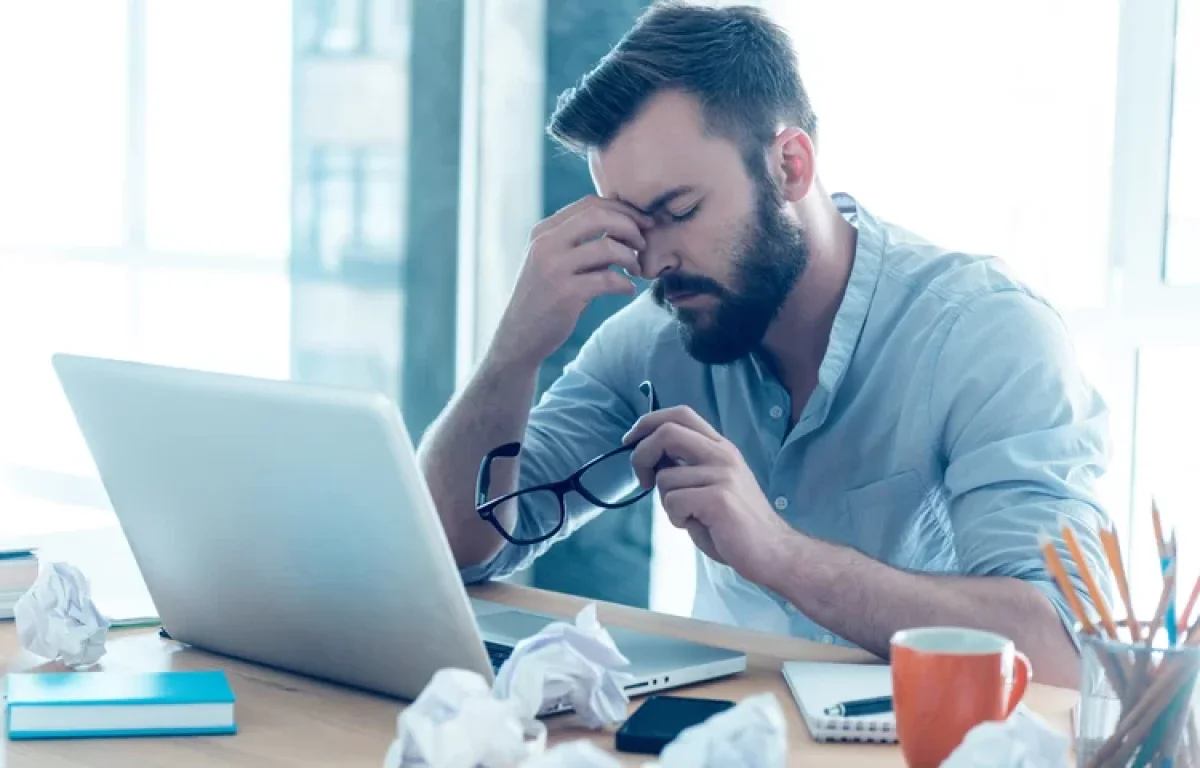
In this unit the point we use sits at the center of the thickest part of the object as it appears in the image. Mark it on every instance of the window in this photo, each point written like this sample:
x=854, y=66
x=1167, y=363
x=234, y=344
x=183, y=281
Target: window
x=144, y=213
x=979, y=130
x=1183, y=208
x=222, y=186
x=62, y=160
x=1168, y=418
x=975, y=126
x=972, y=125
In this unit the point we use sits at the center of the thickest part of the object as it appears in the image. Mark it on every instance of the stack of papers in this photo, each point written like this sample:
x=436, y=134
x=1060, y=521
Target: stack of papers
x=127, y=610
x=18, y=571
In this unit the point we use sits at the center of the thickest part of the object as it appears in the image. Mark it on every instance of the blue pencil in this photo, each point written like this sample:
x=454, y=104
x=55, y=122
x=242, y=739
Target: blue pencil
x=1172, y=625
x=1164, y=560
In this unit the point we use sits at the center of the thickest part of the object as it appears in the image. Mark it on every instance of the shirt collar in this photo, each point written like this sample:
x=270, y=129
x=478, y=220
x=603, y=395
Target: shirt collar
x=860, y=290
x=852, y=313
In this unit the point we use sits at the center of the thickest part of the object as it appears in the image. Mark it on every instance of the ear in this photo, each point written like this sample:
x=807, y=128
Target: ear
x=792, y=161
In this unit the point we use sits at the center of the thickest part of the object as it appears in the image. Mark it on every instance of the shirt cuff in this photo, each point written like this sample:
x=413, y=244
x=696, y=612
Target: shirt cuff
x=475, y=574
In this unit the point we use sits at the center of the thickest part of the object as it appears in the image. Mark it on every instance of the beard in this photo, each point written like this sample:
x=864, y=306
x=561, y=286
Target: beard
x=768, y=256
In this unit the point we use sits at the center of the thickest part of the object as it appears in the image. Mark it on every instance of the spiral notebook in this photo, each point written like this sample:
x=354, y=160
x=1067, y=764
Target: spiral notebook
x=816, y=685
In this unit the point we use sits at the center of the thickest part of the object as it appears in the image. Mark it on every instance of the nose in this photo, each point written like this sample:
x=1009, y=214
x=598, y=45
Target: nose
x=658, y=257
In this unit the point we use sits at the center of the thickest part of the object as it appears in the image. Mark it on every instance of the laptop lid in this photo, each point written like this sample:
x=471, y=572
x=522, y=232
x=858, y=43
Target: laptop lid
x=278, y=522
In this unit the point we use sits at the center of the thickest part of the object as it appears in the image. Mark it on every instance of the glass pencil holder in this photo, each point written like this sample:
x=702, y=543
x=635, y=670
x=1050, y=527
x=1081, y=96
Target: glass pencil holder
x=1137, y=705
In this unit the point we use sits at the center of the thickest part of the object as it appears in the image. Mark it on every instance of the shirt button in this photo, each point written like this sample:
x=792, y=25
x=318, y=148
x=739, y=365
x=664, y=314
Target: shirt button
x=781, y=503
x=776, y=412
x=827, y=638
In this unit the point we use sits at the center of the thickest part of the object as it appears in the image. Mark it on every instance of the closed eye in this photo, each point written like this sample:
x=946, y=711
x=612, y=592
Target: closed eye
x=684, y=216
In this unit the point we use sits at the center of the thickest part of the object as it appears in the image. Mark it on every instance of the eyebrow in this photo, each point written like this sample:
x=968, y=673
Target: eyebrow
x=660, y=202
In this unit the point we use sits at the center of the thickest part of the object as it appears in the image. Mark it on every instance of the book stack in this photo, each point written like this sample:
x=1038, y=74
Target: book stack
x=18, y=571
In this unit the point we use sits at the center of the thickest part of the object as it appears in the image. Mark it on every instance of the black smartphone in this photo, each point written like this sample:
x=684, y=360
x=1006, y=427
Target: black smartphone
x=660, y=719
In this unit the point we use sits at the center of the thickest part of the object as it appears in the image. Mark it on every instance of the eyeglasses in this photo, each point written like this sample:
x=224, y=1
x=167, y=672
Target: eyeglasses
x=607, y=481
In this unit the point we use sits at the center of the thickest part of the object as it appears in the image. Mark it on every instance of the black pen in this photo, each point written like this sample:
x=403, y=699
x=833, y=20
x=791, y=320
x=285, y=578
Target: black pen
x=876, y=706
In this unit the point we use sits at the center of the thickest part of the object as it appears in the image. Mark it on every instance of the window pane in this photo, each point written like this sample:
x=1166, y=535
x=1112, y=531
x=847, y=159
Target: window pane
x=215, y=320
x=63, y=83
x=57, y=307
x=1183, y=204
x=206, y=318
x=218, y=126
x=972, y=124
x=1168, y=420
x=1106, y=371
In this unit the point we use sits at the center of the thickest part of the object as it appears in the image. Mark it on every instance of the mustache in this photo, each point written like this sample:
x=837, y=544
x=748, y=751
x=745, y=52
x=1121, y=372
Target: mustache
x=679, y=282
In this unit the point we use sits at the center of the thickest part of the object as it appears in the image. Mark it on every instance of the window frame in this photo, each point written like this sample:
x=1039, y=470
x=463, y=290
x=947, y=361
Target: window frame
x=1141, y=308
x=67, y=488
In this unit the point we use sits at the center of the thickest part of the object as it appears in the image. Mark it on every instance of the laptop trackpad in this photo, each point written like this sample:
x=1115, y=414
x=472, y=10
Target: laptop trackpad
x=510, y=626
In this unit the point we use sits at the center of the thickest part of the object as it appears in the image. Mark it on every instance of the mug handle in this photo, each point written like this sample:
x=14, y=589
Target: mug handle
x=1022, y=672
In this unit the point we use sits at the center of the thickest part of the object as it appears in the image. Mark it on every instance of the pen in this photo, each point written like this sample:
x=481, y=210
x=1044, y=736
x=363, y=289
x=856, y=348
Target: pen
x=876, y=706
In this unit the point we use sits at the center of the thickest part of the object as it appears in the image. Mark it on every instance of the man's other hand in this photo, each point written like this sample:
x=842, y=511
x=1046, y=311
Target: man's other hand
x=708, y=490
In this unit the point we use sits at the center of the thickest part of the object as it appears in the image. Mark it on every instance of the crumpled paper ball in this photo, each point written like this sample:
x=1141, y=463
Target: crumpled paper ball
x=56, y=618
x=456, y=723
x=574, y=754
x=752, y=734
x=1021, y=741
x=459, y=722
x=577, y=662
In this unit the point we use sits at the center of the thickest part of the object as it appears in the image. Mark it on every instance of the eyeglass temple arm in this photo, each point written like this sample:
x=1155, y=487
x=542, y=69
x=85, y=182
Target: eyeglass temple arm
x=483, y=482
x=648, y=390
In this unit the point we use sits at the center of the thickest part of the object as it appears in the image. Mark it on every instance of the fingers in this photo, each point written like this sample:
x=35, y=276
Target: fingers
x=591, y=223
x=674, y=478
x=681, y=414
x=603, y=253
x=596, y=237
x=683, y=506
x=588, y=202
x=703, y=540
x=604, y=281
x=676, y=443
x=679, y=505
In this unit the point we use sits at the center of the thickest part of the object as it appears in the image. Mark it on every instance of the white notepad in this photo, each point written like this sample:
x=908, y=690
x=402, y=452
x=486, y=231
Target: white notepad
x=816, y=685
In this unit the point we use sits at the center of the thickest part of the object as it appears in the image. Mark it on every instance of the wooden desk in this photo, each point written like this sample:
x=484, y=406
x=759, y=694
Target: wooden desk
x=289, y=720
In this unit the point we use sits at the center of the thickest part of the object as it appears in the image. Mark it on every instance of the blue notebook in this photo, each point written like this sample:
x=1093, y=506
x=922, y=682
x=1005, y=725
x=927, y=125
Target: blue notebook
x=68, y=705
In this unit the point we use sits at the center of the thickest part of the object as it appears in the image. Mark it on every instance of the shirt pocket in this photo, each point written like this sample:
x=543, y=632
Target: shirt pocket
x=881, y=515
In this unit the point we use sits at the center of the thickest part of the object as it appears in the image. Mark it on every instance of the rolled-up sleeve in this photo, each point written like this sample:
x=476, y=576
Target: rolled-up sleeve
x=584, y=413
x=1025, y=439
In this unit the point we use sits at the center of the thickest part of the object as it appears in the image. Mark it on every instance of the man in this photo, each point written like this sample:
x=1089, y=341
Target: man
x=861, y=432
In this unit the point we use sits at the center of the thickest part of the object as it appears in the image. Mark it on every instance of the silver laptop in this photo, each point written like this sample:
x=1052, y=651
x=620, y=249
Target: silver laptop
x=289, y=525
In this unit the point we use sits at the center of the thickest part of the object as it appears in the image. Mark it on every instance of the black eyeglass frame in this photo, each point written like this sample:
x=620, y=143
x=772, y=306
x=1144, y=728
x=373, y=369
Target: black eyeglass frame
x=487, y=509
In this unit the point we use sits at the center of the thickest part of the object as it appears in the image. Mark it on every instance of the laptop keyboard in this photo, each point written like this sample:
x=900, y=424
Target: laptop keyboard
x=498, y=654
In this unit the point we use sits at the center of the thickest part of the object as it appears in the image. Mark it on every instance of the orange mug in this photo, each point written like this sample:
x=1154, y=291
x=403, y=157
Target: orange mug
x=947, y=680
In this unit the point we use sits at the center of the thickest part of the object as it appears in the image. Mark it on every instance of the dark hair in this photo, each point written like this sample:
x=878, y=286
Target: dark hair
x=738, y=63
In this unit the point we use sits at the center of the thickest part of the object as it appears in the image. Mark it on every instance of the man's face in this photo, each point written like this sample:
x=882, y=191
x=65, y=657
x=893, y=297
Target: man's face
x=723, y=254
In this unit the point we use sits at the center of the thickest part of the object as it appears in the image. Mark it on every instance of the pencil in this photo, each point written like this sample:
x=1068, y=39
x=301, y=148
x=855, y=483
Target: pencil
x=1089, y=581
x=1160, y=613
x=1172, y=627
x=1185, y=618
x=1112, y=549
x=1054, y=563
x=1149, y=704
x=1159, y=541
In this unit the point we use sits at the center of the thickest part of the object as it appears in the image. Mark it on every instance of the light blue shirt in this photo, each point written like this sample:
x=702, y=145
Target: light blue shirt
x=950, y=423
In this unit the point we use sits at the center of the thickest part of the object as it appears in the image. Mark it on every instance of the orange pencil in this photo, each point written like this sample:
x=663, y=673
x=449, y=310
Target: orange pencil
x=1185, y=617
x=1089, y=581
x=1054, y=563
x=1159, y=541
x=1112, y=549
